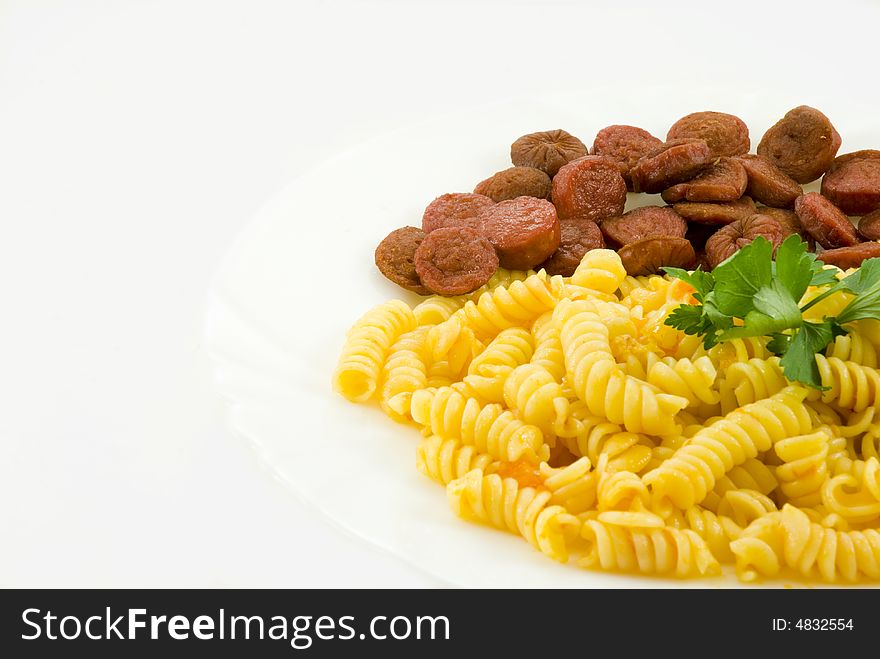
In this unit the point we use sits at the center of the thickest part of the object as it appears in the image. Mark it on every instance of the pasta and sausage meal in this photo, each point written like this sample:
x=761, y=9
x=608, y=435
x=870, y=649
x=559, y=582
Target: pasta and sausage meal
x=659, y=391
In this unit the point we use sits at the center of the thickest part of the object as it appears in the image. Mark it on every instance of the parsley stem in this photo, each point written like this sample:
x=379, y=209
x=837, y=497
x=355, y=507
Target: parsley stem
x=821, y=297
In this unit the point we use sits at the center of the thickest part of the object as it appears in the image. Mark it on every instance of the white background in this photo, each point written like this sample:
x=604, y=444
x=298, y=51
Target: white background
x=137, y=138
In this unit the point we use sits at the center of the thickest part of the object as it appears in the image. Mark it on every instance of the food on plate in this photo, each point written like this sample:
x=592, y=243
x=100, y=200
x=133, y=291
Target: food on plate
x=547, y=150
x=395, y=258
x=641, y=223
x=658, y=391
x=853, y=182
x=825, y=222
x=869, y=226
x=455, y=260
x=673, y=162
x=733, y=237
x=515, y=182
x=767, y=184
x=649, y=256
x=725, y=180
x=625, y=145
x=715, y=213
x=524, y=231
x=577, y=237
x=802, y=144
x=590, y=187
x=459, y=209
x=725, y=134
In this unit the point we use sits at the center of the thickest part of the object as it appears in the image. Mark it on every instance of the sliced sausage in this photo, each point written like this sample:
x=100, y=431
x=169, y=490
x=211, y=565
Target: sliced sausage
x=725, y=134
x=670, y=163
x=395, y=258
x=768, y=184
x=869, y=226
x=790, y=223
x=578, y=236
x=455, y=260
x=726, y=180
x=524, y=231
x=802, y=144
x=457, y=209
x=646, y=257
x=853, y=182
x=641, y=223
x=720, y=213
x=590, y=187
x=547, y=150
x=728, y=240
x=515, y=182
x=850, y=257
x=825, y=221
x=625, y=145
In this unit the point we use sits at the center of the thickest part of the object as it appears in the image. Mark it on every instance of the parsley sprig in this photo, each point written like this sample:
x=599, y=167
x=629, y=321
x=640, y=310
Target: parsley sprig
x=751, y=294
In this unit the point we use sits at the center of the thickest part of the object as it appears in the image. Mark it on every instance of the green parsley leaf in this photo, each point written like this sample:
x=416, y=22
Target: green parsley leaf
x=865, y=283
x=741, y=276
x=799, y=361
x=689, y=319
x=794, y=267
x=778, y=343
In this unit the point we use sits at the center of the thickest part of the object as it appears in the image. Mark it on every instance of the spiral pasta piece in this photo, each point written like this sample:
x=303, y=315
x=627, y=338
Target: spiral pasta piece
x=853, y=347
x=790, y=538
x=599, y=270
x=444, y=460
x=855, y=495
x=403, y=373
x=437, y=308
x=538, y=399
x=745, y=382
x=489, y=370
x=599, y=381
x=489, y=428
x=690, y=474
x=850, y=385
x=360, y=365
x=804, y=469
x=573, y=487
x=502, y=503
x=646, y=550
x=691, y=379
x=548, y=348
x=738, y=350
x=752, y=475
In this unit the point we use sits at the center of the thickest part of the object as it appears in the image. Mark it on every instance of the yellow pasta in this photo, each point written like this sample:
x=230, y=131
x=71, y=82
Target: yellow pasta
x=566, y=411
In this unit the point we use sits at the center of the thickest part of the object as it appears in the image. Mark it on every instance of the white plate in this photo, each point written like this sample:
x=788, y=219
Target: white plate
x=303, y=272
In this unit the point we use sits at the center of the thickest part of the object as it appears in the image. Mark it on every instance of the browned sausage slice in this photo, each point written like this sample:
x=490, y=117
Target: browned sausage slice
x=728, y=240
x=646, y=257
x=395, y=258
x=869, y=226
x=720, y=213
x=802, y=144
x=455, y=260
x=457, y=209
x=725, y=134
x=825, y=221
x=853, y=182
x=579, y=236
x=546, y=150
x=524, y=231
x=726, y=180
x=515, y=182
x=673, y=162
x=850, y=257
x=590, y=187
x=790, y=223
x=625, y=145
x=768, y=184
x=641, y=223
